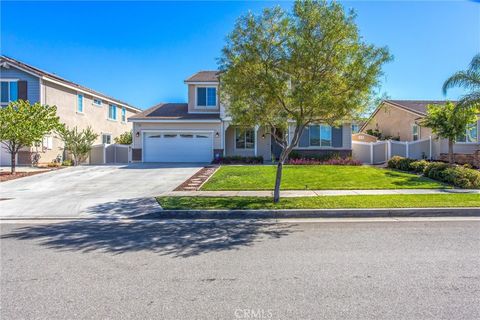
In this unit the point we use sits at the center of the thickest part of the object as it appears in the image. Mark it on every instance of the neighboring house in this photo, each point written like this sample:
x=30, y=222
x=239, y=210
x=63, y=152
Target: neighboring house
x=401, y=118
x=201, y=130
x=76, y=106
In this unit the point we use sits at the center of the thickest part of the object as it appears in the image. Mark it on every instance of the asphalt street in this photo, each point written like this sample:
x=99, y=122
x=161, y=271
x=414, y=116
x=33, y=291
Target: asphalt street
x=342, y=269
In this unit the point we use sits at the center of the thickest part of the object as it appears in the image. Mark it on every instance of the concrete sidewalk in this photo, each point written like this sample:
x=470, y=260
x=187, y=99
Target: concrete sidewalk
x=315, y=193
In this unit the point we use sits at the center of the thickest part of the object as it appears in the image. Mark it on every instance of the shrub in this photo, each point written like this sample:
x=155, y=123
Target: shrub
x=462, y=177
x=400, y=163
x=53, y=164
x=435, y=170
x=67, y=163
x=335, y=161
x=238, y=160
x=419, y=166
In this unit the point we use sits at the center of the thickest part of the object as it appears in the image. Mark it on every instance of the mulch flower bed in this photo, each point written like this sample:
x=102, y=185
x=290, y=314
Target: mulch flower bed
x=197, y=180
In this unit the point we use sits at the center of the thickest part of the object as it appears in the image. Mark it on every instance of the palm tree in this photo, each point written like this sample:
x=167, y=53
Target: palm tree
x=469, y=80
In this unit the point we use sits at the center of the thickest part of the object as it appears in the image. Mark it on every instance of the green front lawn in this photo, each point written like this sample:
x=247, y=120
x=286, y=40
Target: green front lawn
x=322, y=202
x=321, y=177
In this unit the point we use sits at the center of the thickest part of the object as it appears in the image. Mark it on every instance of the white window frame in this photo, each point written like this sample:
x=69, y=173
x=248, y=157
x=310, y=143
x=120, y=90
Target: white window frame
x=108, y=115
x=97, y=104
x=413, y=132
x=206, y=101
x=245, y=137
x=105, y=135
x=357, y=128
x=47, y=142
x=8, y=90
x=466, y=132
x=83, y=103
x=320, y=137
x=123, y=115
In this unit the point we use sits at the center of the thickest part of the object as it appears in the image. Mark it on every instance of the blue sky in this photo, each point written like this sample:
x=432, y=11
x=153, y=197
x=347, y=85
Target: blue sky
x=141, y=52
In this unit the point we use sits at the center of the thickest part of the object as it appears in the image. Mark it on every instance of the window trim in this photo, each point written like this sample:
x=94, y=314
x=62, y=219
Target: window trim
x=97, y=104
x=320, y=136
x=245, y=138
x=106, y=134
x=418, y=132
x=469, y=142
x=123, y=115
x=115, y=113
x=206, y=98
x=8, y=81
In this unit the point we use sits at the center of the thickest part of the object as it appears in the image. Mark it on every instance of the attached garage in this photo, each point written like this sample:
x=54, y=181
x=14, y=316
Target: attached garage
x=178, y=146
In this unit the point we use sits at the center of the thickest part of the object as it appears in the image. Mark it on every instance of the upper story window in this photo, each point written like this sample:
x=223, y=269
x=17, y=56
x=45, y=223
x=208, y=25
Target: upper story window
x=124, y=115
x=415, y=132
x=112, y=112
x=206, y=96
x=320, y=135
x=8, y=92
x=79, y=103
x=97, y=102
x=244, y=139
x=471, y=134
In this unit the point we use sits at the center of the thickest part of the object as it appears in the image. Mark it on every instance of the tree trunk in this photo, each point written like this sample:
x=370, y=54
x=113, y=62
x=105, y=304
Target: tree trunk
x=450, y=151
x=278, y=181
x=12, y=154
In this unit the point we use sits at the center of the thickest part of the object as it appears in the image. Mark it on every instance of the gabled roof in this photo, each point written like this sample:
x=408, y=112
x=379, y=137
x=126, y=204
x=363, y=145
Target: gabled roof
x=172, y=111
x=53, y=77
x=418, y=107
x=204, y=76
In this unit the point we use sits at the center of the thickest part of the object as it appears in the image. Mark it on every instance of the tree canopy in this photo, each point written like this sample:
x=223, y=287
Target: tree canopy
x=470, y=81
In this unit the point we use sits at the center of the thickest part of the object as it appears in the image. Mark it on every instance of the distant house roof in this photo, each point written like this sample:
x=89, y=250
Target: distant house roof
x=54, y=77
x=172, y=111
x=417, y=106
x=204, y=76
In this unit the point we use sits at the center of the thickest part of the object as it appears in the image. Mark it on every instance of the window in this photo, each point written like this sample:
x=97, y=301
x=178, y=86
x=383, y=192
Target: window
x=470, y=135
x=320, y=135
x=79, y=103
x=206, y=97
x=201, y=136
x=97, y=102
x=169, y=135
x=186, y=136
x=124, y=114
x=355, y=128
x=415, y=132
x=8, y=92
x=106, y=138
x=47, y=143
x=244, y=139
x=112, y=112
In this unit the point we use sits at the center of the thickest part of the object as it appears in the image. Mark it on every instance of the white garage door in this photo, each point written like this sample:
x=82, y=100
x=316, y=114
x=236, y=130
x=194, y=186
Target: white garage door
x=178, y=147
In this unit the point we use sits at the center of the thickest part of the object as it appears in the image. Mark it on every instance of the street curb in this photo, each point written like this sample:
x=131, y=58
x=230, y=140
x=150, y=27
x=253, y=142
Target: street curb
x=311, y=213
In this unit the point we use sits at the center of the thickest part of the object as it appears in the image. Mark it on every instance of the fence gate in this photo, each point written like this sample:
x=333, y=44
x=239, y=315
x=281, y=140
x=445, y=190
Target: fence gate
x=110, y=153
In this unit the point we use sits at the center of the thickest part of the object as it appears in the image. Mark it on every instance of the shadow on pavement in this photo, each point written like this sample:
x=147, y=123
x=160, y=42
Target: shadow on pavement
x=177, y=239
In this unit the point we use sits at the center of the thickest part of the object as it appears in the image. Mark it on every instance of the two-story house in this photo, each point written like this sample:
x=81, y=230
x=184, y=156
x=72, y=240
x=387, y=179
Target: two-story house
x=77, y=106
x=201, y=130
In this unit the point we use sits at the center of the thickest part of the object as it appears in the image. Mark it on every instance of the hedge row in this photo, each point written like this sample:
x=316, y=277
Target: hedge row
x=238, y=160
x=462, y=177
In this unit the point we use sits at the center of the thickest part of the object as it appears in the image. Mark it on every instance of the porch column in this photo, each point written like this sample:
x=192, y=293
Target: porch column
x=255, y=138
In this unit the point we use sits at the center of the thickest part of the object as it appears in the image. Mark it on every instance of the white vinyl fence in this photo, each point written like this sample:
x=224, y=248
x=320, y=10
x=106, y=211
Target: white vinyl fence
x=381, y=151
x=110, y=153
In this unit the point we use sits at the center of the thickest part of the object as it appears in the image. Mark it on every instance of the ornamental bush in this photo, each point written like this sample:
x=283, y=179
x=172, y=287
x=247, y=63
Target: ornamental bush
x=238, y=160
x=418, y=166
x=349, y=161
x=435, y=170
x=462, y=177
x=400, y=163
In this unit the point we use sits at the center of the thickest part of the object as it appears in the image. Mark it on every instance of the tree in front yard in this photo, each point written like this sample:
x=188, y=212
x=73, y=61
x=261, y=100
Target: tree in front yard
x=124, y=138
x=449, y=122
x=22, y=124
x=78, y=143
x=304, y=67
x=470, y=81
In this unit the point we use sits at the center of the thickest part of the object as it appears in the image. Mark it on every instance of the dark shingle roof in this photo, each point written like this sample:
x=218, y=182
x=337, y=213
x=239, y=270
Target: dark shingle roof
x=204, y=76
x=173, y=111
x=417, y=106
x=52, y=76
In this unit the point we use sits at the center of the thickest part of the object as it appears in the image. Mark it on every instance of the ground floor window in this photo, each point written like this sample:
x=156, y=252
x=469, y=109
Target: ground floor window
x=320, y=135
x=415, y=132
x=244, y=138
x=106, y=138
x=470, y=135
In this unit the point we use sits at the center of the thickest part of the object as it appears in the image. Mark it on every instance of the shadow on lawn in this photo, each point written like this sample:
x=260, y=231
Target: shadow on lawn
x=177, y=239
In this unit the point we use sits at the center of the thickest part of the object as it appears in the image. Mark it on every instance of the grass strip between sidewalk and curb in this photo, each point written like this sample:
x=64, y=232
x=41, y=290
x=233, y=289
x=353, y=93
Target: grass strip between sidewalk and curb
x=322, y=202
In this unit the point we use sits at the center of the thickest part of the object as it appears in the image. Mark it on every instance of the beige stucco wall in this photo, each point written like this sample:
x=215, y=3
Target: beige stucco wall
x=94, y=116
x=140, y=127
x=192, y=88
x=393, y=121
x=263, y=145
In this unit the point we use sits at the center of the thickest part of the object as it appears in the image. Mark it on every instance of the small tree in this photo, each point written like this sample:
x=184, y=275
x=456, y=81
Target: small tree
x=23, y=124
x=306, y=67
x=124, y=138
x=449, y=122
x=78, y=143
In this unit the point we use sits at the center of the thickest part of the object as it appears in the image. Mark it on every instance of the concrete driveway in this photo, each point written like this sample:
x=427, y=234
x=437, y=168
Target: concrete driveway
x=91, y=191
